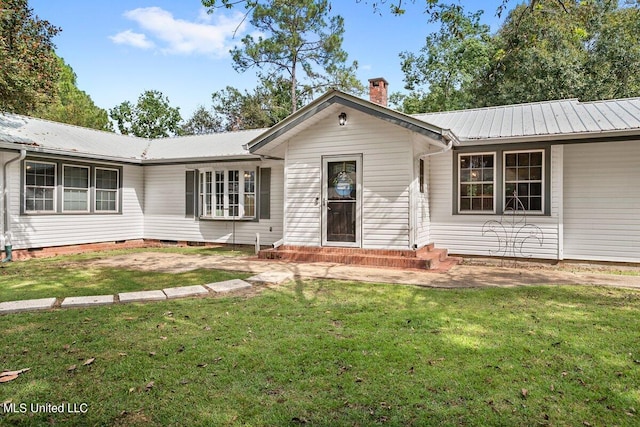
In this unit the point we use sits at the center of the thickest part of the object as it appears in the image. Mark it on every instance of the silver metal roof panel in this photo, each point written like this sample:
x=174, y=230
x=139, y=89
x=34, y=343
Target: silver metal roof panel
x=543, y=119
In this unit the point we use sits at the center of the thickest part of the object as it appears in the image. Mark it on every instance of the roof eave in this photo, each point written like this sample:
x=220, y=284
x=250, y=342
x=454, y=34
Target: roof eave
x=552, y=137
x=30, y=148
x=202, y=159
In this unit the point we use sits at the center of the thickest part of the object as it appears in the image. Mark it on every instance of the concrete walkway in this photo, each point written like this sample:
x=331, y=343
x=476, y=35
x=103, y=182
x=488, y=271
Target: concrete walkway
x=145, y=296
x=467, y=275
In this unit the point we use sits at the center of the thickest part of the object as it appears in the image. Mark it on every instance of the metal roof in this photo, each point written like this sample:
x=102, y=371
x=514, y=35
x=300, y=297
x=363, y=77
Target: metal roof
x=563, y=118
x=37, y=135
x=46, y=136
x=216, y=145
x=510, y=123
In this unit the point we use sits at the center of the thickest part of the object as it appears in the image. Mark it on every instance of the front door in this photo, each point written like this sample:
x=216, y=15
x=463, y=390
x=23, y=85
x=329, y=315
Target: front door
x=341, y=211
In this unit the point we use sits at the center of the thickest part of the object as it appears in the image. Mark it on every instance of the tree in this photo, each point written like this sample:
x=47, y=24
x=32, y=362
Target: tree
x=586, y=50
x=268, y=104
x=202, y=122
x=302, y=43
x=614, y=62
x=28, y=65
x=71, y=105
x=578, y=50
x=151, y=117
x=448, y=63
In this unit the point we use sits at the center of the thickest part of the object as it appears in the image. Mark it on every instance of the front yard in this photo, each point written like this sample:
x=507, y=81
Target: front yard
x=320, y=352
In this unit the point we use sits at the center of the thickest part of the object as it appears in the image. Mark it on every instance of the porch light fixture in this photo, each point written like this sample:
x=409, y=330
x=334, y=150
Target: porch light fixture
x=342, y=119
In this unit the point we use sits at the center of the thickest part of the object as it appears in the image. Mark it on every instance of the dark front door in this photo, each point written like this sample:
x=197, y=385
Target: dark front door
x=341, y=216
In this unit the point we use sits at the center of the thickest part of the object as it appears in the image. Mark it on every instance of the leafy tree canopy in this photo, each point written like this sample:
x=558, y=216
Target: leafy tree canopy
x=151, y=117
x=71, y=105
x=302, y=43
x=28, y=65
x=545, y=49
x=202, y=122
x=265, y=106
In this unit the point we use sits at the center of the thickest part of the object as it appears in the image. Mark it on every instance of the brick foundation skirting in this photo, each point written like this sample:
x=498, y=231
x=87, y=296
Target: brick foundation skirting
x=51, y=251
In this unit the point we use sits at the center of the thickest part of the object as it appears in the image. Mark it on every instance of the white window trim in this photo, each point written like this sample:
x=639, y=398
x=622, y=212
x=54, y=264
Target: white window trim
x=96, y=189
x=244, y=193
x=542, y=181
x=87, y=189
x=472, y=212
x=55, y=187
x=202, y=190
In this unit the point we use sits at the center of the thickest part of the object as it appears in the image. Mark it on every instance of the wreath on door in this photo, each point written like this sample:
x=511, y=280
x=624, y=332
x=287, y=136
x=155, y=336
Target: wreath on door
x=343, y=184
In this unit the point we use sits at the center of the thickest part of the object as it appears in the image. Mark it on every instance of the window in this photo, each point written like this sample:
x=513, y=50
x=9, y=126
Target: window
x=489, y=182
x=40, y=186
x=107, y=184
x=75, y=194
x=476, y=183
x=229, y=193
x=523, y=172
x=250, y=193
x=55, y=187
x=233, y=191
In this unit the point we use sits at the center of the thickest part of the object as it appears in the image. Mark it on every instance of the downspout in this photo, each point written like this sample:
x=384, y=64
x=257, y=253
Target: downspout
x=451, y=140
x=6, y=223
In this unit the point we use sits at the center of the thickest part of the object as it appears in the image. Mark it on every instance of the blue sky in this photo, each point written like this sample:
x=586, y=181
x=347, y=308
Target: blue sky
x=120, y=48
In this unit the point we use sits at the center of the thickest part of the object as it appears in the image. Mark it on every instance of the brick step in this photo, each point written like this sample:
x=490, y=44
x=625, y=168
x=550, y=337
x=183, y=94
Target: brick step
x=348, y=251
x=426, y=259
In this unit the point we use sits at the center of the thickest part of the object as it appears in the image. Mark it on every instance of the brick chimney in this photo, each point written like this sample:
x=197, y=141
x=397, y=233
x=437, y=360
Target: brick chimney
x=378, y=91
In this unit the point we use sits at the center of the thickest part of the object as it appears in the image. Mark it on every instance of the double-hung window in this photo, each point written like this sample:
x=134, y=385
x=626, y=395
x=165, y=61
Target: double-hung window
x=228, y=193
x=523, y=174
x=54, y=187
x=501, y=181
x=40, y=187
x=106, y=190
x=75, y=194
x=476, y=178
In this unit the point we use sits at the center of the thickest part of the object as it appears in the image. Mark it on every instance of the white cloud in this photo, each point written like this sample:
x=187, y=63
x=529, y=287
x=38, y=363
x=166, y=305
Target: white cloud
x=208, y=35
x=132, y=39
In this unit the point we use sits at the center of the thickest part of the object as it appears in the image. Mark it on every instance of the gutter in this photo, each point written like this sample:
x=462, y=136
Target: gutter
x=451, y=139
x=6, y=223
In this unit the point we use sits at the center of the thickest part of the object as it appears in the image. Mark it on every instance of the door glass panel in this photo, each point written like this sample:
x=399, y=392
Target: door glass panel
x=341, y=205
x=341, y=178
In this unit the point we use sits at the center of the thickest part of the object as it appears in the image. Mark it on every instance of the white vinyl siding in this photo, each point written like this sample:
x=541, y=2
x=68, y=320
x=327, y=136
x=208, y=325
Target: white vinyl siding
x=463, y=234
x=602, y=201
x=387, y=172
x=39, y=231
x=165, y=207
x=422, y=214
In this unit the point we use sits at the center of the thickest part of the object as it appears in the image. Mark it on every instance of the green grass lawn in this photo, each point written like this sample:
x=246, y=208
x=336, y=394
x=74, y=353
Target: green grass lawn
x=67, y=276
x=335, y=353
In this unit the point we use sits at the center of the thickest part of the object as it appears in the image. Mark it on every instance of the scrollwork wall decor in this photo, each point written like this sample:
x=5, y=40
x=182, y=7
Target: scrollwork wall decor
x=513, y=231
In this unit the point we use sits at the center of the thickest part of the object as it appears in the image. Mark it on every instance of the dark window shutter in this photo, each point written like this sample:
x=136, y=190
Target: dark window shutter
x=190, y=194
x=422, y=175
x=265, y=193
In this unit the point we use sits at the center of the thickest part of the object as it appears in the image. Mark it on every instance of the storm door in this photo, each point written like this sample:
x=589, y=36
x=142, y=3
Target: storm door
x=341, y=211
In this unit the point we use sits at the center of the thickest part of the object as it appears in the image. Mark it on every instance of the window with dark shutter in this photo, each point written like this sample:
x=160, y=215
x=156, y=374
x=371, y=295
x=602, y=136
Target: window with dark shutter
x=265, y=193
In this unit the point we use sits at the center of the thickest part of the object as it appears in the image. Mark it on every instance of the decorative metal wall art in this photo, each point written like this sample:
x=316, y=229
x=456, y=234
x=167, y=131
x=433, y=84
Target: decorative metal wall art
x=513, y=231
